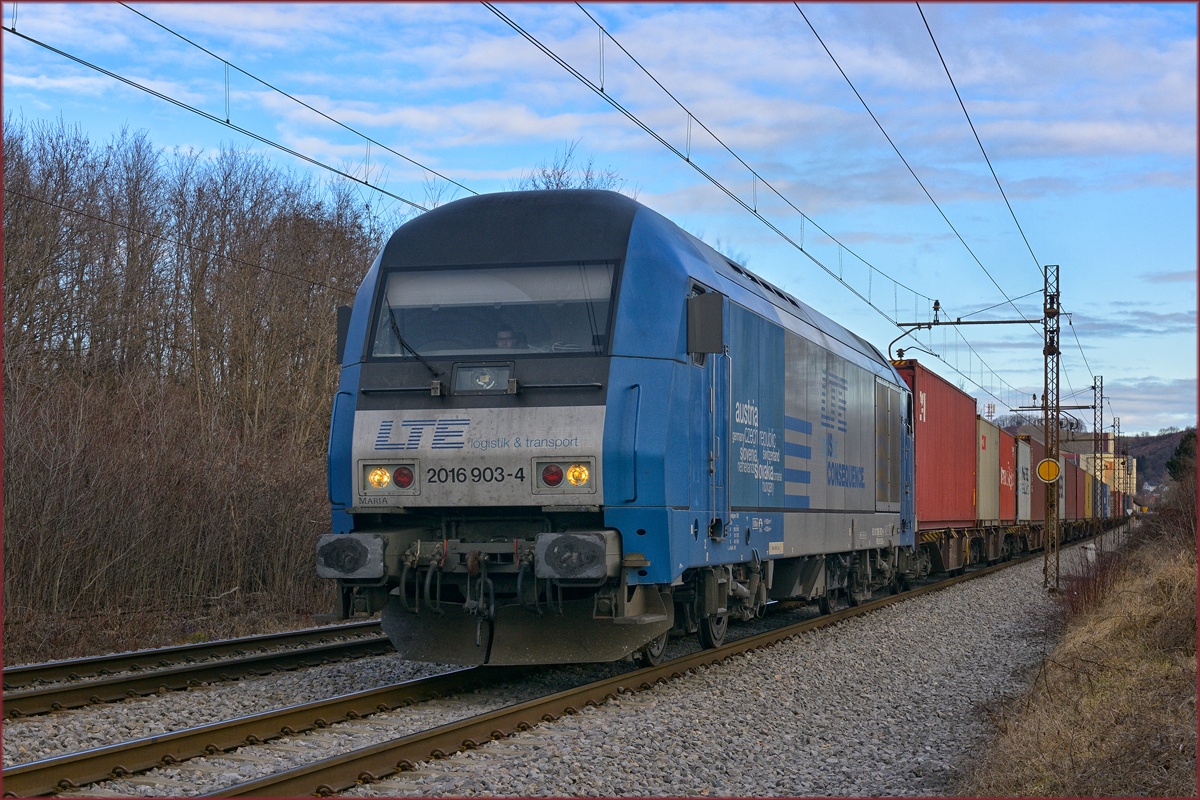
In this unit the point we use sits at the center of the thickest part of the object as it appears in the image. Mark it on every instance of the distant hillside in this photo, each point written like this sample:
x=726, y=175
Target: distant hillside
x=1152, y=453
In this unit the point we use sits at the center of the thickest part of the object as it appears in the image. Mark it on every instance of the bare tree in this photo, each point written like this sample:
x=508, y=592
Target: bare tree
x=168, y=370
x=564, y=172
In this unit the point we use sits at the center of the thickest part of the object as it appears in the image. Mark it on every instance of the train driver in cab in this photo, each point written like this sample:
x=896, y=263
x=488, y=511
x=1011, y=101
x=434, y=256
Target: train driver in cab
x=507, y=338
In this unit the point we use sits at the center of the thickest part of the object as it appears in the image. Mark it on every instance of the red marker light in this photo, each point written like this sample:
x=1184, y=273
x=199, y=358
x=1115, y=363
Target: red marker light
x=552, y=474
x=403, y=477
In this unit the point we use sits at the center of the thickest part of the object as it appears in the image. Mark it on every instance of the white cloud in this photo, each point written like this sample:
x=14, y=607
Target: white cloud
x=1188, y=276
x=1018, y=138
x=78, y=84
x=1151, y=403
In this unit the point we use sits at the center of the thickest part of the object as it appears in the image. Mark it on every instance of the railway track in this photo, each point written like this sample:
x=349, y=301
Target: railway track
x=42, y=688
x=79, y=769
x=370, y=764
x=329, y=775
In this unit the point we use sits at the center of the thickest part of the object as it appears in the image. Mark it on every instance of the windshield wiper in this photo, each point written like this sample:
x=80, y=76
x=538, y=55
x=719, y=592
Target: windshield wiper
x=406, y=345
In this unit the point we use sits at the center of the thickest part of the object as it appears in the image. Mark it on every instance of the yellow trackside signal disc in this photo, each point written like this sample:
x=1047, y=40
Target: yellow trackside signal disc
x=1048, y=470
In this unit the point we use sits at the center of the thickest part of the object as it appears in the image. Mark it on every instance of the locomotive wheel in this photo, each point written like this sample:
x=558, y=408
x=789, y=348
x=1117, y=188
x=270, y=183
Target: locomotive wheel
x=652, y=654
x=712, y=631
x=825, y=603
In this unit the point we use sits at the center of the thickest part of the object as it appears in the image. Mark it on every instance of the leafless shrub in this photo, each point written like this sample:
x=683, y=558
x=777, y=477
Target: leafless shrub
x=1088, y=581
x=168, y=373
x=118, y=496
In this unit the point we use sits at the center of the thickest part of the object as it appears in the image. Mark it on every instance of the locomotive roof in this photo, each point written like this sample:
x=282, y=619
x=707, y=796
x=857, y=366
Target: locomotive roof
x=516, y=227
x=592, y=224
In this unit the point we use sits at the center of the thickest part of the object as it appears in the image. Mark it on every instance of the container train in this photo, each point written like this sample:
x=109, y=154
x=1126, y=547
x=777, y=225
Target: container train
x=566, y=429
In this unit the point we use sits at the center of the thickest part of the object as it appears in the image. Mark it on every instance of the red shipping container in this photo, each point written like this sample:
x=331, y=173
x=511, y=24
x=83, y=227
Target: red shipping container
x=1037, y=489
x=1008, y=477
x=1071, y=496
x=944, y=433
x=1081, y=505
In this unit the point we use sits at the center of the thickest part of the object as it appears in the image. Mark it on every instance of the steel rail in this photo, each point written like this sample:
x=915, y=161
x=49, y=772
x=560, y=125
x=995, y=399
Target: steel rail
x=73, y=770
x=79, y=668
x=44, y=699
x=376, y=762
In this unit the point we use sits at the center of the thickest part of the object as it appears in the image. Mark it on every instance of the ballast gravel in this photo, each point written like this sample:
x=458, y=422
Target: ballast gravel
x=96, y=726
x=891, y=703
x=90, y=727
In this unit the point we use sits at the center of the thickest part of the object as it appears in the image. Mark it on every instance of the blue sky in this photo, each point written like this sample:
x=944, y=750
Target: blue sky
x=1088, y=113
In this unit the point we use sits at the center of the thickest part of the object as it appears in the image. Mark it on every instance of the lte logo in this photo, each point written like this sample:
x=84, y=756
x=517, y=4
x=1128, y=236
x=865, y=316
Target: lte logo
x=448, y=434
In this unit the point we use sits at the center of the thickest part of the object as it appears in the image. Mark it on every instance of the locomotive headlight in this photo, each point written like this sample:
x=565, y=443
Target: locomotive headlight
x=379, y=477
x=577, y=474
x=552, y=474
x=404, y=477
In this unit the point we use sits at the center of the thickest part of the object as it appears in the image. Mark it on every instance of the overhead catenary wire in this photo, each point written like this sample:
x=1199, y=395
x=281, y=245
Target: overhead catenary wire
x=216, y=119
x=178, y=243
x=607, y=97
x=755, y=175
x=1008, y=300
x=993, y=372
x=1071, y=325
x=993, y=169
x=353, y=178
x=963, y=105
x=904, y=160
x=1005, y=302
x=297, y=100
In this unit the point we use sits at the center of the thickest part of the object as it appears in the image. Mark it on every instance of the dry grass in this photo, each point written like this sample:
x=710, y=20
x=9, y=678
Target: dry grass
x=1113, y=710
x=48, y=637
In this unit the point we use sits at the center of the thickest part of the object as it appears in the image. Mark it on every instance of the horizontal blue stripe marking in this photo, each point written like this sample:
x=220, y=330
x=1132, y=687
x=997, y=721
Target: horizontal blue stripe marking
x=795, y=501
x=797, y=476
x=797, y=450
x=797, y=424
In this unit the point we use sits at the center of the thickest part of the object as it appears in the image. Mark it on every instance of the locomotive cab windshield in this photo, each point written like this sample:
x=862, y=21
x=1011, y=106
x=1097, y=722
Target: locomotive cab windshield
x=495, y=311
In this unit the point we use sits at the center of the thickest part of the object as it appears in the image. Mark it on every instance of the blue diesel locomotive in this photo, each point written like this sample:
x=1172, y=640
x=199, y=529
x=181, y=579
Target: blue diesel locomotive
x=566, y=428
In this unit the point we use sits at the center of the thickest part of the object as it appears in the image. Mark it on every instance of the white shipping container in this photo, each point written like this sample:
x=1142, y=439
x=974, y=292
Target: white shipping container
x=987, y=472
x=1024, y=476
